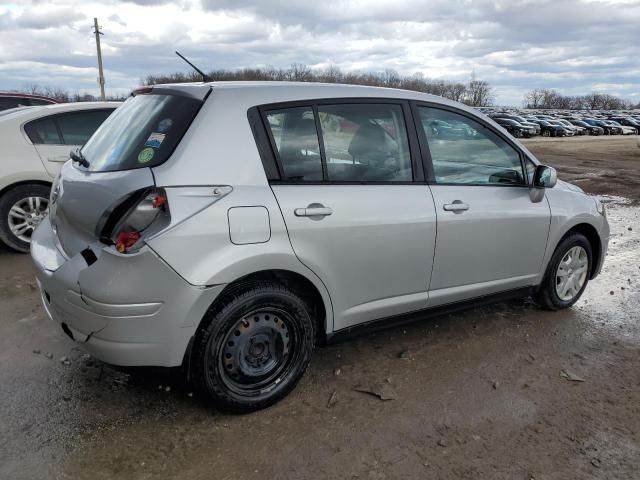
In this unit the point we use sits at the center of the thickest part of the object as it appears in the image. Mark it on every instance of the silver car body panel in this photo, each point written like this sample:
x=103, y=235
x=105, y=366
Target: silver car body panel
x=82, y=198
x=475, y=252
x=124, y=309
x=374, y=252
x=384, y=250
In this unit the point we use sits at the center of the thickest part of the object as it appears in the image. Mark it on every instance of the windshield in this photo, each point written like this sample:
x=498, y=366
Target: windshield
x=143, y=132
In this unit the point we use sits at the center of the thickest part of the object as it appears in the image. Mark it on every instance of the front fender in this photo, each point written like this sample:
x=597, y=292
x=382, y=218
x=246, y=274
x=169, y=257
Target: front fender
x=571, y=209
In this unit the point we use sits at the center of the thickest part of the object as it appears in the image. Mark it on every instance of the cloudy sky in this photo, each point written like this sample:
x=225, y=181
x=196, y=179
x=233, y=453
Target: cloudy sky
x=573, y=46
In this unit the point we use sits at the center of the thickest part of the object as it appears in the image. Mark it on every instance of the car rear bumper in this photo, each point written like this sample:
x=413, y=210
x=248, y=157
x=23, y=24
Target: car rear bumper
x=128, y=310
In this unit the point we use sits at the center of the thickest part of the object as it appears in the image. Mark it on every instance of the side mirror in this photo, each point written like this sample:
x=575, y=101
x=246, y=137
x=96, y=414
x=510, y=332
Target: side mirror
x=545, y=177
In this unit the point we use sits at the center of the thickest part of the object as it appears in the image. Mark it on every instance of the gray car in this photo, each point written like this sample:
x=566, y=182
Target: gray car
x=230, y=227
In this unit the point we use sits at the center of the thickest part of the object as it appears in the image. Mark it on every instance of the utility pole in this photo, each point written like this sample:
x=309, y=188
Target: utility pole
x=100, y=72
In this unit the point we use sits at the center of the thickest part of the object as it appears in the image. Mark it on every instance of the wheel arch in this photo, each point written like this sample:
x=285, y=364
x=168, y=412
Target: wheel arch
x=20, y=183
x=591, y=233
x=296, y=282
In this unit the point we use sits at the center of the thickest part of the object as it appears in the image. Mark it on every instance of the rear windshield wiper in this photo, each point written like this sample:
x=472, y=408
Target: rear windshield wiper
x=76, y=156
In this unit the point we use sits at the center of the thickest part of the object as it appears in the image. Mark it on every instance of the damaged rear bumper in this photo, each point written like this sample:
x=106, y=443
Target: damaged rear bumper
x=128, y=310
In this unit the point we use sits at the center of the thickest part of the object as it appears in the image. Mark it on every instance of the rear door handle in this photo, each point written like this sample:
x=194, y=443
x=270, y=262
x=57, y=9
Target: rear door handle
x=313, y=211
x=457, y=206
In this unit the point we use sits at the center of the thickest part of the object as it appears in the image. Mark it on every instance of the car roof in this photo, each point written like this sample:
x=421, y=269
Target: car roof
x=27, y=113
x=292, y=91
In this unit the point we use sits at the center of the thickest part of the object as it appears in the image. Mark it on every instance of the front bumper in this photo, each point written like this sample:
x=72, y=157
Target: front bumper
x=128, y=310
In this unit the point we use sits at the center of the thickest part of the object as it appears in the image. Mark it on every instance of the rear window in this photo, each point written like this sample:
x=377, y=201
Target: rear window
x=143, y=132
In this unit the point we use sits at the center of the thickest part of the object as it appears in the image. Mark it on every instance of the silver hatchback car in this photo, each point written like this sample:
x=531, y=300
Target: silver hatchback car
x=230, y=227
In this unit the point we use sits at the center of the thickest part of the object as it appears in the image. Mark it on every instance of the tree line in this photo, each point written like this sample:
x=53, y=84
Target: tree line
x=544, y=98
x=477, y=93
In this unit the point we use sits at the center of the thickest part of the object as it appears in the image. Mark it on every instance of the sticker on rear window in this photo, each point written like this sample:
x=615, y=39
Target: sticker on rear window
x=146, y=154
x=154, y=140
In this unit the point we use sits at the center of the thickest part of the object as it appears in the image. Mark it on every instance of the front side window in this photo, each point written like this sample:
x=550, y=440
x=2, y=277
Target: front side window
x=296, y=140
x=43, y=132
x=142, y=132
x=463, y=151
x=76, y=128
x=365, y=143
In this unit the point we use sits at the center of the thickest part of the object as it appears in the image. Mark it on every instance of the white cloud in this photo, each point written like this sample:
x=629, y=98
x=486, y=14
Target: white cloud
x=574, y=46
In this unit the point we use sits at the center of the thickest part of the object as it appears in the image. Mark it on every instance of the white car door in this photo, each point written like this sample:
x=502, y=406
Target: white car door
x=354, y=214
x=55, y=136
x=491, y=236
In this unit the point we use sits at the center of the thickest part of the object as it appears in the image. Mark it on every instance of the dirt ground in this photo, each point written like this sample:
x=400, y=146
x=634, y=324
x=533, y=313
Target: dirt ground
x=501, y=392
x=599, y=165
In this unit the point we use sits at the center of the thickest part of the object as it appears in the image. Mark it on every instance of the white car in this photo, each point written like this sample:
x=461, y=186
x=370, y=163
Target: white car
x=36, y=141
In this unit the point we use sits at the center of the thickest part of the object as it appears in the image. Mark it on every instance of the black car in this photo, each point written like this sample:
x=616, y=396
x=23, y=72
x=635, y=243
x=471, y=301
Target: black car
x=515, y=128
x=592, y=129
x=552, y=130
x=521, y=120
x=608, y=129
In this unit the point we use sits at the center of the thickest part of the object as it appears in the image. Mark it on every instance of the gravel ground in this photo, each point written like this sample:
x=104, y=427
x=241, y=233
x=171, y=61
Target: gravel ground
x=501, y=392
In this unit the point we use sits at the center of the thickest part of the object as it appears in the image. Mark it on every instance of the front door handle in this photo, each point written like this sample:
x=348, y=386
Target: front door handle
x=314, y=210
x=456, y=206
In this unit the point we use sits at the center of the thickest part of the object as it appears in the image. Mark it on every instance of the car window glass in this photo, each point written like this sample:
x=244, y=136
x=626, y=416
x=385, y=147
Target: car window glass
x=365, y=143
x=296, y=139
x=77, y=127
x=463, y=151
x=141, y=133
x=43, y=131
x=531, y=169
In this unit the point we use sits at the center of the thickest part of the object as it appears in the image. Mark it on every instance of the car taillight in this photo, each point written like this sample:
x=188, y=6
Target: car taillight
x=148, y=216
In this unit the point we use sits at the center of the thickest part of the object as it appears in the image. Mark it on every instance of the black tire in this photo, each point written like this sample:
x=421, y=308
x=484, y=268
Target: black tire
x=226, y=360
x=10, y=198
x=547, y=295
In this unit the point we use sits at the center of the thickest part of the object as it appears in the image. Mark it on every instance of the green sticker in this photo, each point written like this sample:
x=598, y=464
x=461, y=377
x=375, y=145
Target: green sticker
x=146, y=154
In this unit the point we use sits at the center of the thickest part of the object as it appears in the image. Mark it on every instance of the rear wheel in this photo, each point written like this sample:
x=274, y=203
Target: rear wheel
x=567, y=274
x=546, y=133
x=21, y=210
x=252, y=350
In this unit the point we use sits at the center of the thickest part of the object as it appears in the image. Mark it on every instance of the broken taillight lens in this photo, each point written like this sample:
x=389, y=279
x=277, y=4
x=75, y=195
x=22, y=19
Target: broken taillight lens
x=148, y=216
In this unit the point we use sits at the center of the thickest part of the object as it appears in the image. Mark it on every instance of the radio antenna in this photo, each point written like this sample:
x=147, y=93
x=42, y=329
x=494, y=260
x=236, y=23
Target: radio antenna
x=205, y=78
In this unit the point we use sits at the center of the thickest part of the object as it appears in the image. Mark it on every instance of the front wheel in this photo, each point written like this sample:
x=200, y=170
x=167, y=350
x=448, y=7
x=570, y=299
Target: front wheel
x=567, y=274
x=22, y=208
x=251, y=351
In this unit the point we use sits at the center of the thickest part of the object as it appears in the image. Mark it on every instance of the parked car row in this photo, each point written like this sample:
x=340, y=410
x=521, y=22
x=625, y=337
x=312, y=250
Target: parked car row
x=565, y=123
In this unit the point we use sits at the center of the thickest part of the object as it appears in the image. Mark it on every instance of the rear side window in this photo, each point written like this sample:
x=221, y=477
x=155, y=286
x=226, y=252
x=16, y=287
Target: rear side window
x=43, y=132
x=77, y=128
x=365, y=142
x=358, y=142
x=294, y=133
x=463, y=151
x=143, y=132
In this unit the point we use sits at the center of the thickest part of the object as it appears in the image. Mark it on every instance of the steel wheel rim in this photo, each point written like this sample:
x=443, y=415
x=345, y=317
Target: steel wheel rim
x=25, y=215
x=257, y=351
x=571, y=273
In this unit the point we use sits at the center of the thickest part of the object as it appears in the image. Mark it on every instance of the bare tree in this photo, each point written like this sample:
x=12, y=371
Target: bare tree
x=479, y=94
